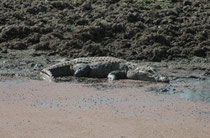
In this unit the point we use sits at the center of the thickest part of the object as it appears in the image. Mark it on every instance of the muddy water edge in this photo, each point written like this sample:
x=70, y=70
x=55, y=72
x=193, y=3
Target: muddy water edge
x=93, y=107
x=190, y=78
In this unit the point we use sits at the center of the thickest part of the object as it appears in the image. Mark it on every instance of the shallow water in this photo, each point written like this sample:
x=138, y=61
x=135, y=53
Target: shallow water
x=192, y=89
x=186, y=88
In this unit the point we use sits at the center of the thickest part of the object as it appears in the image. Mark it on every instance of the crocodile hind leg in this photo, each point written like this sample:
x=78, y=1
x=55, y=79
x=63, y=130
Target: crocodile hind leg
x=81, y=70
x=117, y=74
x=51, y=73
x=47, y=75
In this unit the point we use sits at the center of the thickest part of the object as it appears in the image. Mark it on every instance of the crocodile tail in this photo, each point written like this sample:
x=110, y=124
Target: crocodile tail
x=47, y=75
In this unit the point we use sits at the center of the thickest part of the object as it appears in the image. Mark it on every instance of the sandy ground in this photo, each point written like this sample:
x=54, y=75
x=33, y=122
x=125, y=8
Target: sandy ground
x=31, y=108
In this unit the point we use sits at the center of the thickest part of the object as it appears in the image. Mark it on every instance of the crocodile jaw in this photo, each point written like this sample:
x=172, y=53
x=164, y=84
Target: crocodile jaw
x=146, y=76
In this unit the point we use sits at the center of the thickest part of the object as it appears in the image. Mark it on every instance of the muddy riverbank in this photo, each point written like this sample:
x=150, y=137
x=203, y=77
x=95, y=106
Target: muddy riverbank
x=172, y=36
x=93, y=107
x=186, y=76
x=36, y=34
x=189, y=79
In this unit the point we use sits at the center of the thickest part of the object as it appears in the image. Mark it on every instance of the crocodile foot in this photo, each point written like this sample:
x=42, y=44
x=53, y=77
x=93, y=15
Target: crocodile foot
x=117, y=74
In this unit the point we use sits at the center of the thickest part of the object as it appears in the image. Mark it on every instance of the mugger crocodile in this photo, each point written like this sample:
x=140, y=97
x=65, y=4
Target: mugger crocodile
x=102, y=67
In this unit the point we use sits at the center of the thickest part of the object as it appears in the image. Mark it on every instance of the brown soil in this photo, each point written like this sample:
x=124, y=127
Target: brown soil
x=41, y=109
x=38, y=33
x=127, y=29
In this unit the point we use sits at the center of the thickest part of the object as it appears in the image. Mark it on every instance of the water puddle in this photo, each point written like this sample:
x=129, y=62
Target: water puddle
x=188, y=89
x=193, y=90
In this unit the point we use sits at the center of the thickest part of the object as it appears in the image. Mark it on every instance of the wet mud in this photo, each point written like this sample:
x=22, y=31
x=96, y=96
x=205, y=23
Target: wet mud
x=189, y=89
x=36, y=34
x=189, y=79
x=173, y=36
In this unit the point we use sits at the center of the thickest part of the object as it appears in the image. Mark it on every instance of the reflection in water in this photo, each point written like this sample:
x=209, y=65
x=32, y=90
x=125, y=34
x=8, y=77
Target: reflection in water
x=187, y=88
x=196, y=95
x=192, y=89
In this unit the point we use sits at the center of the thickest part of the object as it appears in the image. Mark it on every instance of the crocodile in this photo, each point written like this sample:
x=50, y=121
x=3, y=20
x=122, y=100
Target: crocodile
x=102, y=67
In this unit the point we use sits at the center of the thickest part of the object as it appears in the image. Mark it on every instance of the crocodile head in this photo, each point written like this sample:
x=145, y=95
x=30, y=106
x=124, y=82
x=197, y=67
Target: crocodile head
x=146, y=74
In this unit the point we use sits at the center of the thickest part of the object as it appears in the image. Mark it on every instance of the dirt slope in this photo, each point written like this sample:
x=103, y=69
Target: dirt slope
x=121, y=28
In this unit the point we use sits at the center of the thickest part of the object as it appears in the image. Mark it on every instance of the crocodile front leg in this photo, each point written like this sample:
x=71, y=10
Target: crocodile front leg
x=117, y=74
